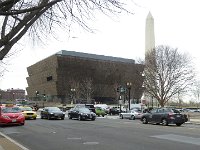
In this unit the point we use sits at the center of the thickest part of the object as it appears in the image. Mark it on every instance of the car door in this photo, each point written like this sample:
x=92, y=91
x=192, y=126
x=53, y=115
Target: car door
x=72, y=112
x=127, y=114
x=159, y=115
x=153, y=115
x=76, y=112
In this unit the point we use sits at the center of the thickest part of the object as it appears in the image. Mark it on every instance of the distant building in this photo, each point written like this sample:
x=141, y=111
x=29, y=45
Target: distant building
x=12, y=94
x=72, y=76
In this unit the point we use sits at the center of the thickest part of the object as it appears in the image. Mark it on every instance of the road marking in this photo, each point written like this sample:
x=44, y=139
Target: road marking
x=13, y=141
x=179, y=138
x=1, y=148
x=74, y=138
x=91, y=143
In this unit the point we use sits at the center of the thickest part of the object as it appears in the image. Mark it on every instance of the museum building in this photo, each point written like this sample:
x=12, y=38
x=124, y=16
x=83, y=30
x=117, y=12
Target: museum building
x=69, y=76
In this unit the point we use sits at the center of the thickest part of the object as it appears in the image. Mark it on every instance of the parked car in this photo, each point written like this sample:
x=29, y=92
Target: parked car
x=81, y=113
x=89, y=106
x=10, y=114
x=52, y=113
x=28, y=112
x=105, y=107
x=114, y=111
x=164, y=116
x=100, y=112
x=131, y=114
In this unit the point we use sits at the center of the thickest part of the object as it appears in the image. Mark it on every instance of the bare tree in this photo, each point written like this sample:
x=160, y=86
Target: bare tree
x=40, y=17
x=196, y=91
x=87, y=89
x=167, y=73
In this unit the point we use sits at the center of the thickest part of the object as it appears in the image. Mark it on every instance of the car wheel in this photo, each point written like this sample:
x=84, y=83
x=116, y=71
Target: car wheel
x=132, y=117
x=121, y=117
x=62, y=118
x=79, y=118
x=34, y=118
x=93, y=119
x=22, y=123
x=164, y=122
x=178, y=124
x=69, y=116
x=102, y=115
x=144, y=120
x=42, y=117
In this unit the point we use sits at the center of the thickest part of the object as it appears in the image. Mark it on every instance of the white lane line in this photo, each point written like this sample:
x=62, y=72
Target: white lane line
x=13, y=141
x=91, y=143
x=74, y=138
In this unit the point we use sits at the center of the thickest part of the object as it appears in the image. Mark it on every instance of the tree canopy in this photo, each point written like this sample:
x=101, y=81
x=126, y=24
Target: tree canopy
x=40, y=17
x=167, y=72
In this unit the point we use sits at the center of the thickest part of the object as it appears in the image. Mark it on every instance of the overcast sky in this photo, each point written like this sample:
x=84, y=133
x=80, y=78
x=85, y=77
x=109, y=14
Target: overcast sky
x=176, y=23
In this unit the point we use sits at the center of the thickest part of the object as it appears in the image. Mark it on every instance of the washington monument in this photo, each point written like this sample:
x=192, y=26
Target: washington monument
x=149, y=34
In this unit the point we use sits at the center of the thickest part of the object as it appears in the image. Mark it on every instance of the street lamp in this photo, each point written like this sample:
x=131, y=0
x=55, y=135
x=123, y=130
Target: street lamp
x=129, y=84
x=73, y=91
x=0, y=99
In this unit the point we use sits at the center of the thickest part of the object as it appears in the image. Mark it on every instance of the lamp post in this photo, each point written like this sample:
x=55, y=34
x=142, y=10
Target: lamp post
x=129, y=84
x=73, y=91
x=13, y=94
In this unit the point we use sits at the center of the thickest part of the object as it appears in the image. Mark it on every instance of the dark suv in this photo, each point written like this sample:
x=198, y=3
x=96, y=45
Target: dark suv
x=89, y=106
x=164, y=116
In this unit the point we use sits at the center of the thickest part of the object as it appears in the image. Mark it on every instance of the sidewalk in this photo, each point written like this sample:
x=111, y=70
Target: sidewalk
x=194, y=121
x=7, y=143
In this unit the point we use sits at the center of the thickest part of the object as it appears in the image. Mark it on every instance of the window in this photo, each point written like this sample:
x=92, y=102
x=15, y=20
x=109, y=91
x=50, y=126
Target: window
x=49, y=78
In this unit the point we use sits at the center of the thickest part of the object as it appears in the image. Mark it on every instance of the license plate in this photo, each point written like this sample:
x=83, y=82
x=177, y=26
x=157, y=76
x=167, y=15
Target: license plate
x=178, y=116
x=14, y=120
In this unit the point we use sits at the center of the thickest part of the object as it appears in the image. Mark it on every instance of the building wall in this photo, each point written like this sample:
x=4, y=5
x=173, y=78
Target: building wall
x=66, y=71
x=11, y=94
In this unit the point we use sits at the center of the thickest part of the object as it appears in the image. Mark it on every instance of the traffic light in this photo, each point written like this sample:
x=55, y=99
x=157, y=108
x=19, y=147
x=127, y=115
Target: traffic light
x=37, y=93
x=118, y=89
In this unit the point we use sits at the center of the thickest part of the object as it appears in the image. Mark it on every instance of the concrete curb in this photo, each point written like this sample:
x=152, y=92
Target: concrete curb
x=9, y=144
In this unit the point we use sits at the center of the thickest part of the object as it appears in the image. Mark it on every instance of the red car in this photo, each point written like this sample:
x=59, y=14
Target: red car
x=11, y=115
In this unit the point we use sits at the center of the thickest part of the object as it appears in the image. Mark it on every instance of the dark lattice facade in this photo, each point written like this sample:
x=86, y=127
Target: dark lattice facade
x=54, y=77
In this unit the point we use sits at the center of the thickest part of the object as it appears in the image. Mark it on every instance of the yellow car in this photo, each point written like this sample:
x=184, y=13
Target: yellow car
x=28, y=112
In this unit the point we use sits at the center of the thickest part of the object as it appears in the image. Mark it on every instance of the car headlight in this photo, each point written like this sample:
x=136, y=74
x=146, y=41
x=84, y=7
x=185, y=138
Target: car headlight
x=6, y=117
x=51, y=113
x=21, y=116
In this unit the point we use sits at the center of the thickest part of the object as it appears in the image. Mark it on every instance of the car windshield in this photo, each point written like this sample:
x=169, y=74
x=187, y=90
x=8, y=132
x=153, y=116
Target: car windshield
x=54, y=109
x=11, y=109
x=26, y=109
x=176, y=111
x=84, y=110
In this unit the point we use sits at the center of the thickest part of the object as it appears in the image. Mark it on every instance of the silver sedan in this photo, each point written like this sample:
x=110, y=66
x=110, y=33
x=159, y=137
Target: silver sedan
x=132, y=114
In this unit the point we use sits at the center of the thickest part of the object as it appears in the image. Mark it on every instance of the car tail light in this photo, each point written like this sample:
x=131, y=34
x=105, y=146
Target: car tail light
x=171, y=116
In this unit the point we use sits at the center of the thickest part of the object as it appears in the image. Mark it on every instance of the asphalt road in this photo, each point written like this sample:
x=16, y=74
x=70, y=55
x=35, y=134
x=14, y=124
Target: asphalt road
x=103, y=134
